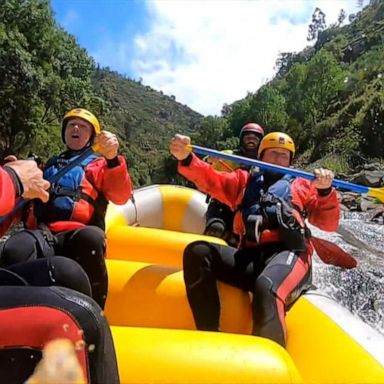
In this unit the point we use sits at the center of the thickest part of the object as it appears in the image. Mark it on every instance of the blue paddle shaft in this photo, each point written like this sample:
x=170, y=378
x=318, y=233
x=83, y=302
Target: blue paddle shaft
x=276, y=168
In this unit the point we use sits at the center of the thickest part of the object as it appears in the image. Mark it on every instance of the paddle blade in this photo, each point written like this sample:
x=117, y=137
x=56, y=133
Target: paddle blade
x=377, y=193
x=331, y=253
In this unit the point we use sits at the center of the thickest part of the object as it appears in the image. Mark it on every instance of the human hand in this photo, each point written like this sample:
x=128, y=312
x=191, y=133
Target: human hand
x=323, y=178
x=177, y=146
x=108, y=144
x=31, y=177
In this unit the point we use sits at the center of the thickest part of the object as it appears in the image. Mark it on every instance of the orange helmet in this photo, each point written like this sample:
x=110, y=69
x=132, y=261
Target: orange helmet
x=82, y=114
x=277, y=140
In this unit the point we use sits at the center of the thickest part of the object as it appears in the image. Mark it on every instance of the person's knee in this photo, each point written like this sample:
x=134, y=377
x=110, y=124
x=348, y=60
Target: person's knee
x=87, y=246
x=264, y=288
x=18, y=248
x=70, y=274
x=90, y=236
x=195, y=257
x=195, y=253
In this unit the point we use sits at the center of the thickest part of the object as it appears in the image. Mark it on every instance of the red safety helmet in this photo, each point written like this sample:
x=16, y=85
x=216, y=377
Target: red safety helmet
x=254, y=128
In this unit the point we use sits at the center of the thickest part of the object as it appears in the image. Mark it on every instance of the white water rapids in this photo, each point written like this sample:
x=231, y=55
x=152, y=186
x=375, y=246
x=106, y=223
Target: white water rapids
x=360, y=290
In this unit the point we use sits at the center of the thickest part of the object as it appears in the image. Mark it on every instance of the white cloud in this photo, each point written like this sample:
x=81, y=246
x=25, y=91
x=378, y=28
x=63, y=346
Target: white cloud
x=211, y=52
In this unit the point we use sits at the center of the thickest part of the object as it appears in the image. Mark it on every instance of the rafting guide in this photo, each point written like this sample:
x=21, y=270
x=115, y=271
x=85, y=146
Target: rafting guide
x=273, y=260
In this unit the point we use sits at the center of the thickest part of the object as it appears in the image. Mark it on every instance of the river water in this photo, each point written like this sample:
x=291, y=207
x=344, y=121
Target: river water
x=361, y=290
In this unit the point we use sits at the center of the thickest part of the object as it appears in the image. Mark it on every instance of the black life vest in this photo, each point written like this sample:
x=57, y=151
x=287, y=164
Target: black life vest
x=270, y=207
x=258, y=200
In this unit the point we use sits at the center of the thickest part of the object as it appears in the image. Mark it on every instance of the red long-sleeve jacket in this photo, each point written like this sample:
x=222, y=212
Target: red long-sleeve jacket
x=114, y=183
x=8, y=199
x=99, y=178
x=7, y=193
x=322, y=211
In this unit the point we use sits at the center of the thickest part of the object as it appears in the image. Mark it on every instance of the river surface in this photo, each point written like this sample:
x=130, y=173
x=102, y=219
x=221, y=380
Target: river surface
x=361, y=290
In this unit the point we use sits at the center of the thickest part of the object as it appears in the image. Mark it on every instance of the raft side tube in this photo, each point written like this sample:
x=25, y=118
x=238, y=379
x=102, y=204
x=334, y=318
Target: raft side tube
x=150, y=245
x=163, y=356
x=148, y=295
x=168, y=207
x=323, y=334
x=154, y=296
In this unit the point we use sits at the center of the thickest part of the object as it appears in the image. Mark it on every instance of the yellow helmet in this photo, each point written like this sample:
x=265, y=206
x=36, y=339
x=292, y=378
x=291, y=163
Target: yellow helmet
x=277, y=140
x=82, y=114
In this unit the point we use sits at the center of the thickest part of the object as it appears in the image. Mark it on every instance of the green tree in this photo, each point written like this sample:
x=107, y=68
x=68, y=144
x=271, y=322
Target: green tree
x=323, y=83
x=43, y=73
x=20, y=79
x=341, y=17
x=237, y=114
x=213, y=129
x=292, y=88
x=268, y=108
x=317, y=25
x=284, y=63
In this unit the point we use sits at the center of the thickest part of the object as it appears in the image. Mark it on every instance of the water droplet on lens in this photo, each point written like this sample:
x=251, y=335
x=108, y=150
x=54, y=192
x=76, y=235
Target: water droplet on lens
x=79, y=345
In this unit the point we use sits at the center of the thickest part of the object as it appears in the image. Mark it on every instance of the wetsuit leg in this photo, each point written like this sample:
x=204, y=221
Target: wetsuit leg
x=23, y=246
x=30, y=317
x=204, y=264
x=87, y=246
x=58, y=270
x=283, y=279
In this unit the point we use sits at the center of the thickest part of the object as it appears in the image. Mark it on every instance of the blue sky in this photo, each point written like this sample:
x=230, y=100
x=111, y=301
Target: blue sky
x=204, y=52
x=96, y=23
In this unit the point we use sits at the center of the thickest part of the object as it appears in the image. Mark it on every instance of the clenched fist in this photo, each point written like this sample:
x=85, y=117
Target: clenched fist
x=178, y=147
x=107, y=144
x=323, y=178
x=31, y=177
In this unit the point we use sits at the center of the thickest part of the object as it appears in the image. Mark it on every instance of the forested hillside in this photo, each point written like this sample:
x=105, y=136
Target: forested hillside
x=145, y=119
x=44, y=73
x=329, y=97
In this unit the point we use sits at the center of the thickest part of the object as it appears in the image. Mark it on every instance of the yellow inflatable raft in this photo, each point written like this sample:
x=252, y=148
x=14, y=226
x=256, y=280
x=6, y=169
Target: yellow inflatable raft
x=153, y=328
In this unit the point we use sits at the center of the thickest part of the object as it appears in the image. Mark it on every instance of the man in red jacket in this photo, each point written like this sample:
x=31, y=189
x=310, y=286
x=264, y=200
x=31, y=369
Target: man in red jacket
x=71, y=223
x=273, y=260
x=219, y=217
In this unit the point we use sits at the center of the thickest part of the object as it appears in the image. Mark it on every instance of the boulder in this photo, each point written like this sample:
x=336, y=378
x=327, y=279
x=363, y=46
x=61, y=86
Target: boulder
x=349, y=200
x=369, y=178
x=378, y=215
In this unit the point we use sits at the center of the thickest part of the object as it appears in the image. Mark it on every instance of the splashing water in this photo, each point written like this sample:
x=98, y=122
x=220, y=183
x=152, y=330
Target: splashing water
x=361, y=290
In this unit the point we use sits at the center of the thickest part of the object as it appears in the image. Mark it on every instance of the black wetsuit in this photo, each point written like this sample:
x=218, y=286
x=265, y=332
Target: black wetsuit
x=85, y=246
